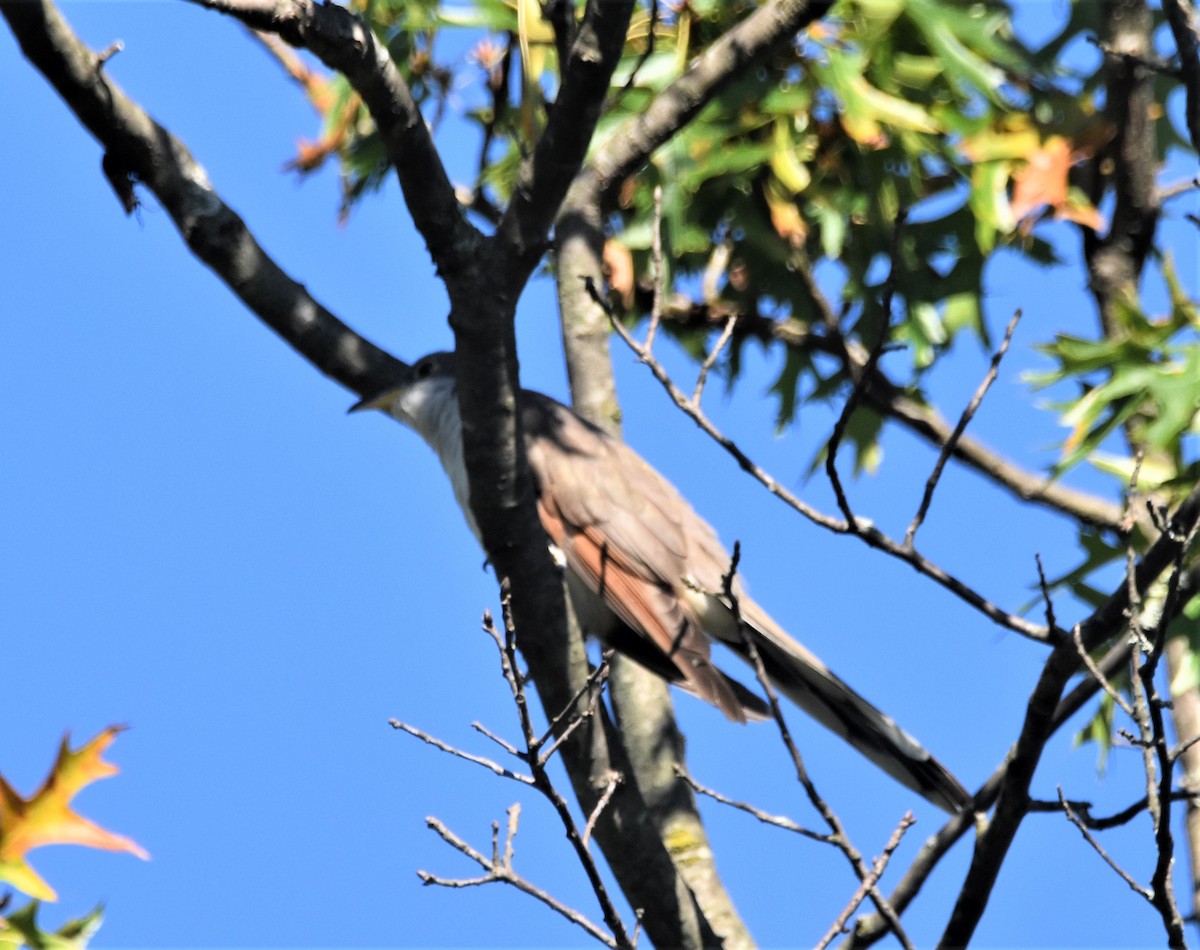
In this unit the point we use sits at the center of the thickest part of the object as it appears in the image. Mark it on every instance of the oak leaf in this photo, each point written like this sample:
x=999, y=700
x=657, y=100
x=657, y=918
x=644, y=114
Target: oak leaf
x=46, y=817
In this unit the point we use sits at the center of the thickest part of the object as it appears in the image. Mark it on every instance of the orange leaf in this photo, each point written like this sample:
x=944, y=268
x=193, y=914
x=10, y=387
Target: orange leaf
x=618, y=267
x=1043, y=179
x=1043, y=182
x=47, y=818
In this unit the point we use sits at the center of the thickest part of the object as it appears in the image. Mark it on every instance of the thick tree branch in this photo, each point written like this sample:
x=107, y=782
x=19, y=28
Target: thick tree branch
x=545, y=176
x=1104, y=625
x=136, y=146
x=1185, y=27
x=755, y=38
x=137, y=149
x=1013, y=801
x=344, y=42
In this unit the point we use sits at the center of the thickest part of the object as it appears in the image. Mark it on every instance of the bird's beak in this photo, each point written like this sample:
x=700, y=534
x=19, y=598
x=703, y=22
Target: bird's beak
x=378, y=401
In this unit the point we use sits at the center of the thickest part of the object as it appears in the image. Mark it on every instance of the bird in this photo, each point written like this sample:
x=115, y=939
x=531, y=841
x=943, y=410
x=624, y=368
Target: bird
x=647, y=575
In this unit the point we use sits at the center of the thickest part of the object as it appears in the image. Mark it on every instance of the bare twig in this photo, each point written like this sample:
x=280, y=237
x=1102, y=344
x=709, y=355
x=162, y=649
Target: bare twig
x=500, y=741
x=1113, y=693
x=542, y=781
x=861, y=380
x=778, y=821
x=610, y=787
x=501, y=870
x=1167, y=192
x=658, y=272
x=437, y=743
x=1051, y=622
x=839, y=837
x=866, y=532
x=1105, y=623
x=878, y=866
x=711, y=359
x=887, y=398
x=968, y=414
x=1090, y=839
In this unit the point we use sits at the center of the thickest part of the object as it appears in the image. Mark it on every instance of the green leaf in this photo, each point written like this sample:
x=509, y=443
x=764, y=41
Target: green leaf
x=20, y=929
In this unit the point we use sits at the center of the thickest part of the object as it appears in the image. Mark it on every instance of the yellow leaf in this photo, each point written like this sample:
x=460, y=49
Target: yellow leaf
x=786, y=218
x=785, y=163
x=47, y=818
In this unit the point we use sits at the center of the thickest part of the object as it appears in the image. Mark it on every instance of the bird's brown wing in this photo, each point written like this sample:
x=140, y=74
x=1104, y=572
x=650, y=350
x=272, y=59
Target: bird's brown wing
x=659, y=566
x=618, y=525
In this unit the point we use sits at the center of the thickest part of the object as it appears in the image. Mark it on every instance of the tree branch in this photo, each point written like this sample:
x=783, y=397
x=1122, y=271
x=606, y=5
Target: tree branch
x=135, y=145
x=920, y=419
x=544, y=177
x=342, y=41
x=748, y=43
x=1185, y=27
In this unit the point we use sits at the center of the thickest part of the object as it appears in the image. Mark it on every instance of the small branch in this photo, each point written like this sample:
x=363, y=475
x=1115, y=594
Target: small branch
x=839, y=838
x=711, y=359
x=887, y=398
x=1132, y=59
x=606, y=796
x=342, y=41
x=1122, y=817
x=1051, y=622
x=1167, y=192
x=861, y=379
x=1088, y=837
x=865, y=532
x=500, y=870
x=506, y=644
x=759, y=35
x=778, y=821
x=503, y=743
x=1185, y=28
x=963, y=422
x=437, y=743
x=1113, y=693
x=591, y=687
x=658, y=271
x=877, y=868
x=139, y=148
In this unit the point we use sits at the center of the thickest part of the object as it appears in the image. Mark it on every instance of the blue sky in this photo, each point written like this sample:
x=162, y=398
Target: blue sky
x=199, y=543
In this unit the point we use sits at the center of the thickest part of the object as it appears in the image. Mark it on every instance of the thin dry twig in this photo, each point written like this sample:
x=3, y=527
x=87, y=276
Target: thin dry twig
x=866, y=532
x=658, y=273
x=778, y=821
x=501, y=870
x=964, y=420
x=861, y=381
x=1051, y=621
x=437, y=743
x=537, y=760
x=1090, y=839
x=1123, y=817
x=878, y=866
x=711, y=359
x=1113, y=693
x=610, y=788
x=536, y=755
x=500, y=741
x=839, y=837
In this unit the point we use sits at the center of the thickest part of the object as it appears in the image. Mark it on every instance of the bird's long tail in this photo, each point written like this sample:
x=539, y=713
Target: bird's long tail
x=812, y=686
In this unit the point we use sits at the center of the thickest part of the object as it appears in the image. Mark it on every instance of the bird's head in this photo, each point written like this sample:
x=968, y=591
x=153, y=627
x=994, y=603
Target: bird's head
x=423, y=392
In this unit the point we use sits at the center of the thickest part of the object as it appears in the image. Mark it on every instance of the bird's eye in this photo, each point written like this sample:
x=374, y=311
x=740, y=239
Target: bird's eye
x=424, y=369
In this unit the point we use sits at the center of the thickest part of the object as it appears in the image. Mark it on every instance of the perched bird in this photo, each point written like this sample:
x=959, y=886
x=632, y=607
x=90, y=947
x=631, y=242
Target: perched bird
x=645, y=572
